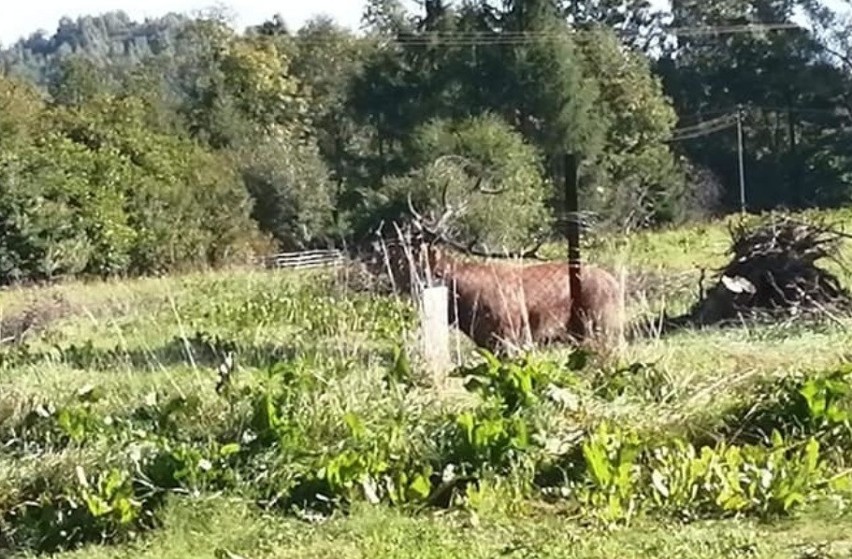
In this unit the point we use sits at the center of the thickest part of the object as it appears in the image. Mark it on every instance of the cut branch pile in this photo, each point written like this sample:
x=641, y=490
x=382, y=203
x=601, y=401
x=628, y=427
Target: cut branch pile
x=773, y=272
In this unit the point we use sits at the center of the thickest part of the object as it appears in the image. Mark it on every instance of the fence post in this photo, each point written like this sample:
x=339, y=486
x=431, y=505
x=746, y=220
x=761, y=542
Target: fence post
x=435, y=328
x=571, y=165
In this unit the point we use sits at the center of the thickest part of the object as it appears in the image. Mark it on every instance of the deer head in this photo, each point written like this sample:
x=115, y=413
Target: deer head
x=416, y=250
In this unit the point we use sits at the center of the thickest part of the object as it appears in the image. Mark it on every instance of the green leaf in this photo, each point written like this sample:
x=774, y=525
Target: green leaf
x=96, y=505
x=793, y=498
x=356, y=426
x=229, y=449
x=419, y=488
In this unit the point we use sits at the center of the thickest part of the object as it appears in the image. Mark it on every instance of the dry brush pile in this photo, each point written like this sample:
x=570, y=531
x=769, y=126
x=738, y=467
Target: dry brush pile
x=773, y=273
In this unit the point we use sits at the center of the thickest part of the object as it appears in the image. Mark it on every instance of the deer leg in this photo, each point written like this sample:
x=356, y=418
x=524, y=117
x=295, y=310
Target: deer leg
x=487, y=339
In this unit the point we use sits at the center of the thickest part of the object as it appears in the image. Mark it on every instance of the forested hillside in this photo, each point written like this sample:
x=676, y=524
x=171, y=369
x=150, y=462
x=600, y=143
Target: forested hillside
x=141, y=147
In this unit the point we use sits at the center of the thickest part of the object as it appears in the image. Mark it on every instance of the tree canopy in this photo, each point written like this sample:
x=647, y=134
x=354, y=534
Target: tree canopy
x=143, y=147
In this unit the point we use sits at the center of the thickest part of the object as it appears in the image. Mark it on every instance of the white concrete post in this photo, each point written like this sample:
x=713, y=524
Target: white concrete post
x=435, y=328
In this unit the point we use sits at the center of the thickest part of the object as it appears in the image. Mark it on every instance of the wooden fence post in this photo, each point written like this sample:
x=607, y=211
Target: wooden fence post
x=572, y=217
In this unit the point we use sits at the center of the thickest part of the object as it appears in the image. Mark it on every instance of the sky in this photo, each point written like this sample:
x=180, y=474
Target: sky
x=27, y=18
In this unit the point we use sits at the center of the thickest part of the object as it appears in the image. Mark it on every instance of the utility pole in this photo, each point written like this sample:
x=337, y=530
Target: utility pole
x=740, y=156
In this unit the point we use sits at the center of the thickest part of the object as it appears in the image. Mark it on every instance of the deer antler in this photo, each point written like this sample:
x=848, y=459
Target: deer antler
x=437, y=228
x=529, y=252
x=473, y=169
x=477, y=187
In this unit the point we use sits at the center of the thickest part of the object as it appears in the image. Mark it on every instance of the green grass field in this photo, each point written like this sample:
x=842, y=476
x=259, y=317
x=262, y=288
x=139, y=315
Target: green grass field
x=117, y=443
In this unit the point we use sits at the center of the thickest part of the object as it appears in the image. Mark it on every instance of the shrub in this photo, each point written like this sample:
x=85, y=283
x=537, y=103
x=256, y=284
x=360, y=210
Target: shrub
x=455, y=156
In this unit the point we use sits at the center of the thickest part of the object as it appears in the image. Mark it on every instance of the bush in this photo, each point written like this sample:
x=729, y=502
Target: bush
x=63, y=211
x=291, y=190
x=95, y=191
x=455, y=156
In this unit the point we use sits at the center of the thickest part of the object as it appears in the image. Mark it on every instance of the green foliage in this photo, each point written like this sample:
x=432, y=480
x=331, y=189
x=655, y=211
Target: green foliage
x=327, y=60
x=642, y=380
x=317, y=135
x=791, y=131
x=325, y=424
x=66, y=214
x=489, y=439
x=484, y=165
x=610, y=456
x=376, y=466
x=312, y=310
x=103, y=505
x=636, y=174
x=798, y=406
x=516, y=384
x=550, y=81
x=731, y=479
x=626, y=475
x=78, y=81
x=824, y=396
x=291, y=189
x=96, y=191
x=773, y=475
x=503, y=433
x=149, y=148
x=19, y=106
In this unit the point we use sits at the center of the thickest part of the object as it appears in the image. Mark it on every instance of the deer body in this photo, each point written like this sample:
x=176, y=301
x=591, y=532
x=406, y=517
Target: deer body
x=505, y=304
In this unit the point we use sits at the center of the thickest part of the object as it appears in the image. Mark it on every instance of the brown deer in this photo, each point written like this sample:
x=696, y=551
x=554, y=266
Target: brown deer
x=502, y=304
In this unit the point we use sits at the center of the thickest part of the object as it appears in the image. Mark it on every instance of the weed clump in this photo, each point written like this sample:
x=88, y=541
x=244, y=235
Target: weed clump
x=527, y=431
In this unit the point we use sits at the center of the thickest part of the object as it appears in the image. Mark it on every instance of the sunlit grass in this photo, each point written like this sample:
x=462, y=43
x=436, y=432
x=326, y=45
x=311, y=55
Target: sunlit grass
x=141, y=339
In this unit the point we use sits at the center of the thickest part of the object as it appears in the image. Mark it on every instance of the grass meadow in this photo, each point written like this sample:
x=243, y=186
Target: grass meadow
x=262, y=414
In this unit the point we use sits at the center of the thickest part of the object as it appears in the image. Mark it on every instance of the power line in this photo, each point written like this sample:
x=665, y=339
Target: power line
x=837, y=111
x=717, y=125
x=705, y=123
x=704, y=128
x=727, y=121
x=705, y=132
x=464, y=38
x=686, y=30
x=733, y=29
x=708, y=112
x=711, y=126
